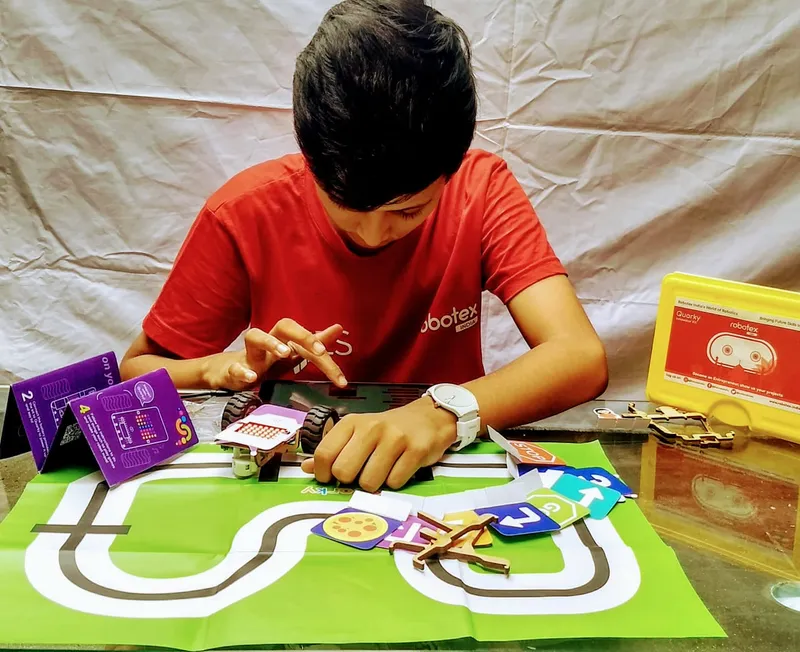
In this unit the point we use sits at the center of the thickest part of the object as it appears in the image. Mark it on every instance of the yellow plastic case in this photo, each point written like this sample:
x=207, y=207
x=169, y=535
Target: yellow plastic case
x=730, y=350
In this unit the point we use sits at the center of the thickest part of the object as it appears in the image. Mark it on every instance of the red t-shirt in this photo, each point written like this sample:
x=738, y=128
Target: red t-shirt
x=263, y=248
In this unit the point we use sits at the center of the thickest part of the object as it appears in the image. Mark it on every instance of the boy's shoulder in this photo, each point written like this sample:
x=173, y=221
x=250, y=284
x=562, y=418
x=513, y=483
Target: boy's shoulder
x=478, y=168
x=481, y=159
x=286, y=170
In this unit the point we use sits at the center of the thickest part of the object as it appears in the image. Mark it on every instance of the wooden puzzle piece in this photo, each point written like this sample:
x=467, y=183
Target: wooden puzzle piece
x=634, y=413
x=468, y=554
x=478, y=539
x=448, y=542
x=704, y=439
x=662, y=413
x=673, y=413
x=448, y=536
x=665, y=414
x=715, y=440
x=464, y=549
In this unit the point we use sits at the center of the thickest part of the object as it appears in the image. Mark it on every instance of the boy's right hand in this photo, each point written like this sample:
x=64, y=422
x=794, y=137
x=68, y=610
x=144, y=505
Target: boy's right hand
x=287, y=341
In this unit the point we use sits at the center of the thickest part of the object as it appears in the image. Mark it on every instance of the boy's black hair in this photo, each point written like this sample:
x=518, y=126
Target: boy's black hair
x=384, y=101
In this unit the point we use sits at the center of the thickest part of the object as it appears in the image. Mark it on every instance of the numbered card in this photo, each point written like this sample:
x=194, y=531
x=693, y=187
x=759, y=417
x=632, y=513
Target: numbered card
x=601, y=477
x=124, y=429
x=36, y=406
x=597, y=499
x=559, y=508
x=519, y=519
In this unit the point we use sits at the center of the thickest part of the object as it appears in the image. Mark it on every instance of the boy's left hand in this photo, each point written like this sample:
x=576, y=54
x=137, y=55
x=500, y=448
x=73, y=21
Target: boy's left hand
x=384, y=448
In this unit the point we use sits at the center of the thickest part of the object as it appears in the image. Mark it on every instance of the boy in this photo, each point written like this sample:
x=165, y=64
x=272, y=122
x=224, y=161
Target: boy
x=363, y=258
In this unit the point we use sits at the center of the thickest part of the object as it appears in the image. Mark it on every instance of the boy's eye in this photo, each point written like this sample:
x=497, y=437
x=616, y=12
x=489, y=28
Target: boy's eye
x=409, y=214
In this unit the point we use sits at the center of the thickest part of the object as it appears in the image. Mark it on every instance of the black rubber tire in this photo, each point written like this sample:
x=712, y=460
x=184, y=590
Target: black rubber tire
x=238, y=407
x=318, y=421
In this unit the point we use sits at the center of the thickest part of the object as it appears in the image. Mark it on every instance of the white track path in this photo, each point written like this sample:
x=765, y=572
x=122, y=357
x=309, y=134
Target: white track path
x=93, y=559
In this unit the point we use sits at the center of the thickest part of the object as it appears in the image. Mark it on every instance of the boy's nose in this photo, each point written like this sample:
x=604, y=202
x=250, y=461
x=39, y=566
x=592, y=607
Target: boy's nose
x=373, y=230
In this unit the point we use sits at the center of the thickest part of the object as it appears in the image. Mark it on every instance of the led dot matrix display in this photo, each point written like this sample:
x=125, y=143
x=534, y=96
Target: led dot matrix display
x=261, y=431
x=145, y=427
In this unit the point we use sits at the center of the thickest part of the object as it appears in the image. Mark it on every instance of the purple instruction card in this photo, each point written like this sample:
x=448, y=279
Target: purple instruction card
x=125, y=429
x=36, y=406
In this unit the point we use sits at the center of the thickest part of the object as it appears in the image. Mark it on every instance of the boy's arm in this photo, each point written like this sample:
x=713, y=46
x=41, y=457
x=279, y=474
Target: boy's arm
x=237, y=370
x=566, y=365
x=144, y=355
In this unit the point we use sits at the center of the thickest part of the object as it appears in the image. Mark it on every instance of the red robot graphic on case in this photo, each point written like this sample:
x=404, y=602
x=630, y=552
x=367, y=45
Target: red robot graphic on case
x=752, y=355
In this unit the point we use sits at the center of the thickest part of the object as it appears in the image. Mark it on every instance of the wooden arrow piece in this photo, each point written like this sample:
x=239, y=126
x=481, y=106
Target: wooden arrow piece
x=468, y=554
x=447, y=542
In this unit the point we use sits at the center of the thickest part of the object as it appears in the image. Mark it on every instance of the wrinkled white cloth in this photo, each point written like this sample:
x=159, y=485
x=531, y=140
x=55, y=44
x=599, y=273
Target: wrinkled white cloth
x=650, y=136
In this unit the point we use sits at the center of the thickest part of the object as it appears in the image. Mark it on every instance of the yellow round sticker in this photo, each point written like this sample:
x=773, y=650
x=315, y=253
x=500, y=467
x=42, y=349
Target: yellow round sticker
x=355, y=527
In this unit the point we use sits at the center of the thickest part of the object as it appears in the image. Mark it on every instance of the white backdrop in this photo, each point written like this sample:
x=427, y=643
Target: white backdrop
x=651, y=136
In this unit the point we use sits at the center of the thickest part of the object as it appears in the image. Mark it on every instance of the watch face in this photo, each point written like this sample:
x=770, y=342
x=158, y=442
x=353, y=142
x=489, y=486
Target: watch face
x=455, y=396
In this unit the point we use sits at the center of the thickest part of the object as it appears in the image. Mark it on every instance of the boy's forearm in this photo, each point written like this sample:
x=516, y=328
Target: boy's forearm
x=185, y=374
x=547, y=380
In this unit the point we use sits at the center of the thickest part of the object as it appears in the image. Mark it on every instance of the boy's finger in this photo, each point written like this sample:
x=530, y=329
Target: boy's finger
x=403, y=470
x=288, y=330
x=329, y=335
x=323, y=362
x=277, y=348
x=329, y=449
x=311, y=346
x=327, y=366
x=241, y=374
x=380, y=463
x=355, y=453
x=258, y=346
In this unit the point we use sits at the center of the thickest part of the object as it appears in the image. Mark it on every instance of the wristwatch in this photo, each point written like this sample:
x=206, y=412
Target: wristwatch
x=463, y=405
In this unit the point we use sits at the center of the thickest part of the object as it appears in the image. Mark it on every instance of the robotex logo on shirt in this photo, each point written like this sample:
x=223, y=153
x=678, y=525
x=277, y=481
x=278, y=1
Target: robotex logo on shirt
x=460, y=319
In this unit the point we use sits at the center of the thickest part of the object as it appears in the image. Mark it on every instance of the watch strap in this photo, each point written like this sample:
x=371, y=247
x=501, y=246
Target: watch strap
x=467, y=422
x=467, y=429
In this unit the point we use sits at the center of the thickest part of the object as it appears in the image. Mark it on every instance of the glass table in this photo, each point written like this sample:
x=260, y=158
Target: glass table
x=732, y=516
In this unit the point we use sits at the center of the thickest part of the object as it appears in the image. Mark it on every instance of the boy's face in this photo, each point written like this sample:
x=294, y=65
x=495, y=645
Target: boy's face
x=373, y=230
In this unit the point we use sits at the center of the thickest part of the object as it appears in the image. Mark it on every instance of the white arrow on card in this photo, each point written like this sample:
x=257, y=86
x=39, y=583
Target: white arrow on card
x=590, y=495
x=510, y=521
